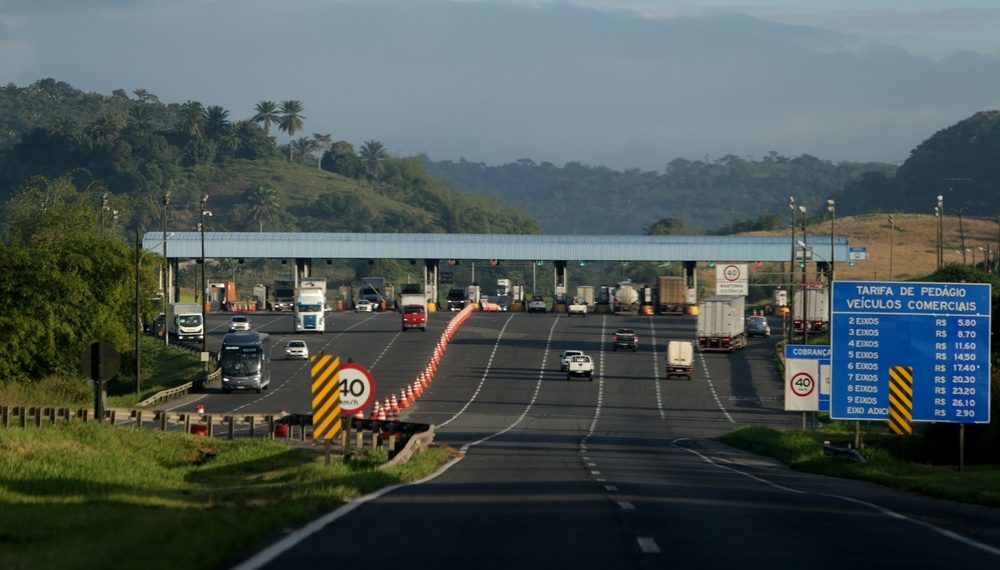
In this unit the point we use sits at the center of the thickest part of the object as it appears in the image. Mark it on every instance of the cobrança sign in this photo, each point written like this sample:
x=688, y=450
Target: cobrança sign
x=807, y=378
x=941, y=330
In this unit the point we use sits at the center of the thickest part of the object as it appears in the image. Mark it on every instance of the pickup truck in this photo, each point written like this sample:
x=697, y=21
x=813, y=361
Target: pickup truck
x=580, y=365
x=625, y=339
x=577, y=307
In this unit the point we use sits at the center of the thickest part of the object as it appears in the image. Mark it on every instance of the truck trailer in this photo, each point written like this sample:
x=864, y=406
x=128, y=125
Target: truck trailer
x=817, y=310
x=671, y=295
x=721, y=324
x=284, y=295
x=413, y=308
x=310, y=306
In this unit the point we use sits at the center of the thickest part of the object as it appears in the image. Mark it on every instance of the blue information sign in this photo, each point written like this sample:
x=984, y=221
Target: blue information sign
x=942, y=330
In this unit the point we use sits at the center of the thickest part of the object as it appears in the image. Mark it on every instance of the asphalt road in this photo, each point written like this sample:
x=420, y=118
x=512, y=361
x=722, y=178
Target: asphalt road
x=616, y=472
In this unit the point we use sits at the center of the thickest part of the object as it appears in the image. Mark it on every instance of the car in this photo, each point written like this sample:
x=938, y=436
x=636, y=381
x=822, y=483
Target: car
x=565, y=356
x=364, y=306
x=757, y=326
x=296, y=349
x=239, y=323
x=536, y=305
x=626, y=339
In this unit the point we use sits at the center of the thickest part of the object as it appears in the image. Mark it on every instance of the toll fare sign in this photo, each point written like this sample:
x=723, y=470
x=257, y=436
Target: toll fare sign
x=941, y=330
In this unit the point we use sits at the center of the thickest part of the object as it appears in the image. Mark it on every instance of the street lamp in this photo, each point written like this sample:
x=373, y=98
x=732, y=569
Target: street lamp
x=139, y=254
x=204, y=301
x=166, y=272
x=805, y=291
x=892, y=240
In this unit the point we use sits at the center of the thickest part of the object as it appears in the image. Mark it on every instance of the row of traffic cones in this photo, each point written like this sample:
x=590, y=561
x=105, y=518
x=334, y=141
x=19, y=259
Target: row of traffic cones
x=388, y=409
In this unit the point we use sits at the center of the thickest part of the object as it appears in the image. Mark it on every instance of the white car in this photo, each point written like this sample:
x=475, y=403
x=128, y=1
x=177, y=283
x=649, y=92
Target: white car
x=239, y=323
x=297, y=349
x=564, y=358
x=364, y=306
x=537, y=304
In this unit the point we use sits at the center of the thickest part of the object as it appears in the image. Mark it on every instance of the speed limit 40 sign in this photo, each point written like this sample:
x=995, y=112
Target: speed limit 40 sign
x=731, y=279
x=357, y=387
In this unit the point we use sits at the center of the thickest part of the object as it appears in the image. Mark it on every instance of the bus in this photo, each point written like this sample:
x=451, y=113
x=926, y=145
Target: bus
x=245, y=359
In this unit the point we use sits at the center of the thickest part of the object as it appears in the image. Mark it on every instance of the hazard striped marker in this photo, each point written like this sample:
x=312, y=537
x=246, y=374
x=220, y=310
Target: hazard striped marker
x=901, y=400
x=325, y=397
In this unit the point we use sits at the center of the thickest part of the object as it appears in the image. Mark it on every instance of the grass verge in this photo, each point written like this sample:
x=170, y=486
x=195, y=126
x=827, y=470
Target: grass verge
x=978, y=484
x=90, y=496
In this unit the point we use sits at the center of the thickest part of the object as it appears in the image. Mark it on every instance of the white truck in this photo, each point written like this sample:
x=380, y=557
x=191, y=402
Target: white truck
x=310, y=306
x=579, y=366
x=721, y=324
x=413, y=307
x=817, y=310
x=576, y=307
x=680, y=358
x=185, y=321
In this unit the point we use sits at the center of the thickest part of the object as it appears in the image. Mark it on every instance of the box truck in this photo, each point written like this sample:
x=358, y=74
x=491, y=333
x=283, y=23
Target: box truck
x=817, y=310
x=671, y=295
x=185, y=321
x=721, y=323
x=413, y=308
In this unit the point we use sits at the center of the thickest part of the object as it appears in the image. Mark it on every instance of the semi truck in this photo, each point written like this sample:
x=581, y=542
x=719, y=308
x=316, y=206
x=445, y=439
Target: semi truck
x=185, y=321
x=284, y=295
x=310, y=306
x=671, y=295
x=586, y=293
x=817, y=310
x=373, y=289
x=456, y=299
x=721, y=324
x=413, y=308
x=625, y=298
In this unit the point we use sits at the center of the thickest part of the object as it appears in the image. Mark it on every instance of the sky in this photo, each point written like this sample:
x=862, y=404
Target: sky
x=623, y=83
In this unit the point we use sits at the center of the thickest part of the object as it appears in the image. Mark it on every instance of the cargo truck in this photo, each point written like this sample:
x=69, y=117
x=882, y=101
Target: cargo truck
x=373, y=289
x=721, y=324
x=456, y=299
x=586, y=293
x=185, y=321
x=413, y=308
x=625, y=298
x=671, y=295
x=284, y=295
x=817, y=310
x=310, y=306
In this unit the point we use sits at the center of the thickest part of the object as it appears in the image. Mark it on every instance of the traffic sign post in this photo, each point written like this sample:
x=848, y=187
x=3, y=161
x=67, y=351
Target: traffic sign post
x=731, y=279
x=807, y=378
x=357, y=387
x=941, y=331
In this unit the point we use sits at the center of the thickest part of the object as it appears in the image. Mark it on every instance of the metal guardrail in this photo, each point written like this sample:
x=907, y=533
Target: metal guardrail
x=401, y=439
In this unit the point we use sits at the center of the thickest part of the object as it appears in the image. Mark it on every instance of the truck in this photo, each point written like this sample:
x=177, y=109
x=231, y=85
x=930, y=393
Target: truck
x=310, y=306
x=503, y=294
x=373, y=289
x=817, y=310
x=456, y=299
x=576, y=307
x=579, y=365
x=671, y=295
x=680, y=358
x=413, y=308
x=625, y=298
x=721, y=324
x=586, y=293
x=284, y=295
x=185, y=321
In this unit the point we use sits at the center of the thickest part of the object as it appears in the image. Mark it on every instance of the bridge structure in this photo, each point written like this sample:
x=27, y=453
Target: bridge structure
x=306, y=249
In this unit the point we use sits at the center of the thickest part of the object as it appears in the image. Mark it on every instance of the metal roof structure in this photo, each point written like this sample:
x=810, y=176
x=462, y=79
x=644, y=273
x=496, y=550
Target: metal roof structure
x=294, y=245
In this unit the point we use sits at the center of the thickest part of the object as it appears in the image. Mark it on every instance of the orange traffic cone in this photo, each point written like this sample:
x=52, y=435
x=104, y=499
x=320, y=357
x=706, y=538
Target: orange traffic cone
x=410, y=393
x=374, y=415
x=200, y=408
x=381, y=414
x=404, y=401
x=393, y=404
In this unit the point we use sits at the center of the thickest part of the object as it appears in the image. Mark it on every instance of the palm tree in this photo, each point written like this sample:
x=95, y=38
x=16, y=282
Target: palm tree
x=190, y=117
x=216, y=121
x=262, y=201
x=106, y=128
x=141, y=116
x=267, y=113
x=232, y=138
x=304, y=146
x=373, y=155
x=291, y=120
x=322, y=145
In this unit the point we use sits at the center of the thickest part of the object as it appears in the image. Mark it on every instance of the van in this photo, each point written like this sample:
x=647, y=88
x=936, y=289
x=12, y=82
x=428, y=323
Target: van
x=680, y=358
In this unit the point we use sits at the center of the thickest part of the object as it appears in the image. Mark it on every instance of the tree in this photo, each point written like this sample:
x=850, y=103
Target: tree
x=664, y=227
x=267, y=113
x=190, y=117
x=291, y=119
x=140, y=116
x=263, y=204
x=322, y=145
x=342, y=159
x=304, y=146
x=373, y=155
x=216, y=122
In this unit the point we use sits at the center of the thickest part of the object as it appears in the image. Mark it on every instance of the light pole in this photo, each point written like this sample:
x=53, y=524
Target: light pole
x=805, y=290
x=791, y=274
x=830, y=207
x=139, y=254
x=166, y=271
x=204, y=301
x=892, y=241
x=939, y=211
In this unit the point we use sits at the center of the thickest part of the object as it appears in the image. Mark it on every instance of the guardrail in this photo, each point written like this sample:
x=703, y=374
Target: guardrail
x=400, y=439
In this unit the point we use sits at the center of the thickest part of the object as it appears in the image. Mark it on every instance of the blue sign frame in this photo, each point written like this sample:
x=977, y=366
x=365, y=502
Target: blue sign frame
x=942, y=330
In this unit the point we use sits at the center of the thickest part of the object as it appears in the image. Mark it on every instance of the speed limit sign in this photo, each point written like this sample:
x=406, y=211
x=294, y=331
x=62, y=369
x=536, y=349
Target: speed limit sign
x=802, y=384
x=731, y=272
x=357, y=387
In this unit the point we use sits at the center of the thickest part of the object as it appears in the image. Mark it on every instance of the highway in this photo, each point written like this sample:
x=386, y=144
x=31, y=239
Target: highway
x=617, y=472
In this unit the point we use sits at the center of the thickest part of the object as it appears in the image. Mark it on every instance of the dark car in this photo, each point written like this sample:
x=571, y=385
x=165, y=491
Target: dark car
x=626, y=339
x=757, y=326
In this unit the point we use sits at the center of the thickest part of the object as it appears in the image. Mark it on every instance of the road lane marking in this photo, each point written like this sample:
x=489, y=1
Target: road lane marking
x=626, y=506
x=656, y=370
x=711, y=387
x=647, y=545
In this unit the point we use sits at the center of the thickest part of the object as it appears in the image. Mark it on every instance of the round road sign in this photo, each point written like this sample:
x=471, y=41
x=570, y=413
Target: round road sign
x=357, y=387
x=802, y=384
x=731, y=272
